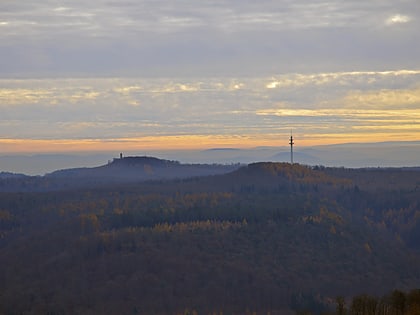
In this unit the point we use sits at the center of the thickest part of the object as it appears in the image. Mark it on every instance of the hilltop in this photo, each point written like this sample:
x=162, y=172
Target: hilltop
x=121, y=170
x=139, y=168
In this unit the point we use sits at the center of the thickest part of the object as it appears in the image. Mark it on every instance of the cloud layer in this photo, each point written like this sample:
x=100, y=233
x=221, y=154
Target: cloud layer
x=207, y=73
x=320, y=107
x=145, y=38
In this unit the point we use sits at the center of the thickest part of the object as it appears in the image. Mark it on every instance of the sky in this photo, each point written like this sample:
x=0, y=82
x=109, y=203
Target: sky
x=106, y=75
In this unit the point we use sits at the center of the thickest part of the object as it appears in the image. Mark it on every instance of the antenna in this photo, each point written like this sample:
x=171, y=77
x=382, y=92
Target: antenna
x=291, y=147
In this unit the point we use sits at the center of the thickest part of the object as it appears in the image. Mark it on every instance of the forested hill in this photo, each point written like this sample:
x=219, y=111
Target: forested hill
x=267, y=237
x=139, y=168
x=123, y=170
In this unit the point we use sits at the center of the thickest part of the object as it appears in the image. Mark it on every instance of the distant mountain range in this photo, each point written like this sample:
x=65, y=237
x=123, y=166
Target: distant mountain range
x=382, y=154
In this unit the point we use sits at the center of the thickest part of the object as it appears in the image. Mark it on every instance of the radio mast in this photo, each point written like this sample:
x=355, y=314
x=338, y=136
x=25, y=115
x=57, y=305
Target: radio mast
x=291, y=147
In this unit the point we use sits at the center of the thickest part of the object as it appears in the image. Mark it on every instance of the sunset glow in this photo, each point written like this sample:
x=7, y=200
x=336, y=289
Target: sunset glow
x=82, y=77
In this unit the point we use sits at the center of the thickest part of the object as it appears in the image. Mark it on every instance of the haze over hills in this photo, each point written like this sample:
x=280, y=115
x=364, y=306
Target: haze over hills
x=384, y=154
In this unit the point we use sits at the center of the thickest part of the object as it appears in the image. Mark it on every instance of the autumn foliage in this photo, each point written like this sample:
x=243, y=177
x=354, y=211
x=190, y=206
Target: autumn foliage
x=268, y=238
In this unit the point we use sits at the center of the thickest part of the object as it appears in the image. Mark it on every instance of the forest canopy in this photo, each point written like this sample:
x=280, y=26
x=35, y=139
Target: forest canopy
x=267, y=237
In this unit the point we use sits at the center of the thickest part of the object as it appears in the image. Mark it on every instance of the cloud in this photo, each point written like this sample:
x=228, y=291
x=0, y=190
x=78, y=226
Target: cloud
x=359, y=115
x=385, y=99
x=344, y=104
x=187, y=38
x=342, y=78
x=398, y=19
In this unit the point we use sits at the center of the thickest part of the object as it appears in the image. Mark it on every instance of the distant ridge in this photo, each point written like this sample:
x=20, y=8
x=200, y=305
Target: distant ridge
x=4, y=175
x=142, y=160
x=353, y=155
x=382, y=144
x=131, y=169
x=299, y=157
x=222, y=149
x=144, y=168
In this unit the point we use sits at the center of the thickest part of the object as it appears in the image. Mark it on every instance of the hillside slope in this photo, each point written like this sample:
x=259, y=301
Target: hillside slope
x=265, y=237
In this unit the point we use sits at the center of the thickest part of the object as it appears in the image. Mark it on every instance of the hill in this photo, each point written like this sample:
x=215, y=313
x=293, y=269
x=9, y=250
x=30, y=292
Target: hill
x=6, y=175
x=122, y=170
x=267, y=237
x=139, y=168
x=384, y=154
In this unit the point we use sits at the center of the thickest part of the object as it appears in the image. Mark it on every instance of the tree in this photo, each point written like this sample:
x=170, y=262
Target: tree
x=341, y=310
x=398, y=302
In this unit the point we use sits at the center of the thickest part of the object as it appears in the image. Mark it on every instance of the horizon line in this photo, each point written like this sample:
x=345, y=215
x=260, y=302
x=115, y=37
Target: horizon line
x=202, y=149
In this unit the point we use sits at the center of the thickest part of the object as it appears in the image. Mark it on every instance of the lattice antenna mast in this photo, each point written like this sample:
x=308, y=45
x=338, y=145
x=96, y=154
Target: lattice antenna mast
x=291, y=147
